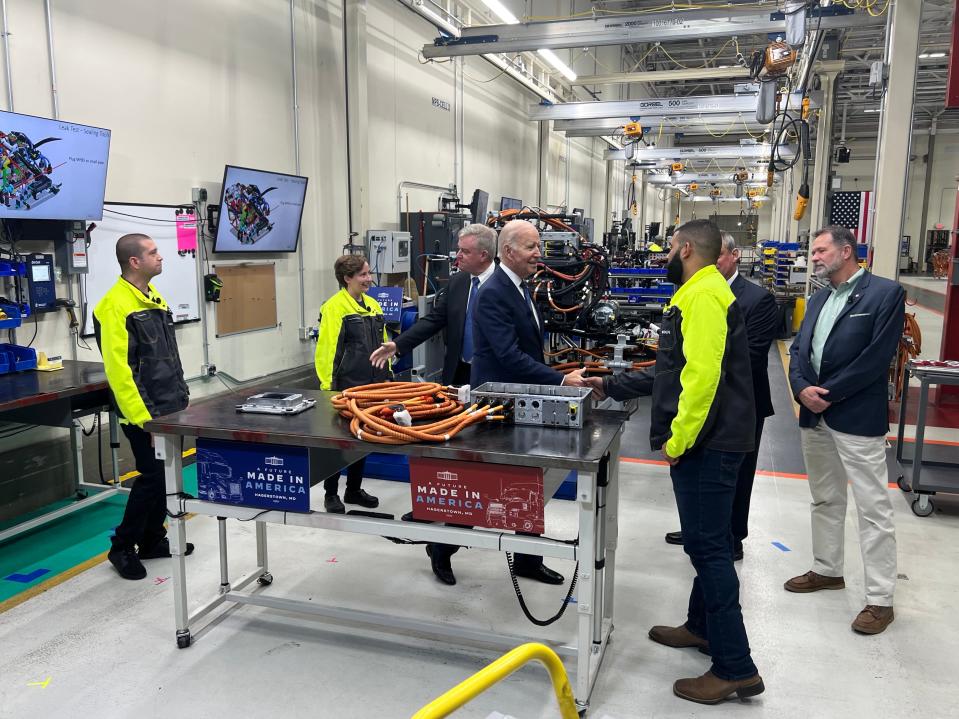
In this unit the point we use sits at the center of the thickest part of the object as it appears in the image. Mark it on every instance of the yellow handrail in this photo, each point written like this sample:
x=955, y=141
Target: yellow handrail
x=469, y=689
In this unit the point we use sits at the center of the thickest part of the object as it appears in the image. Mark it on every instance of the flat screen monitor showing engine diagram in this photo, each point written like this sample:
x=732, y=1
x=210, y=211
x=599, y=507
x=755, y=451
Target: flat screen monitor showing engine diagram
x=260, y=211
x=51, y=169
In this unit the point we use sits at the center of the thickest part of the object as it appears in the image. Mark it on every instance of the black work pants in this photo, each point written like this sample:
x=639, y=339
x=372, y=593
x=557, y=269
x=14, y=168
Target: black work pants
x=143, y=518
x=354, y=478
x=744, y=490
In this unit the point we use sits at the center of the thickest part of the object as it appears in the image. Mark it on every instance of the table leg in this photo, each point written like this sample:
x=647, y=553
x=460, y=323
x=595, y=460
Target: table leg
x=262, y=556
x=167, y=449
x=76, y=446
x=920, y=436
x=612, y=528
x=114, y=444
x=224, y=561
x=904, y=400
x=586, y=593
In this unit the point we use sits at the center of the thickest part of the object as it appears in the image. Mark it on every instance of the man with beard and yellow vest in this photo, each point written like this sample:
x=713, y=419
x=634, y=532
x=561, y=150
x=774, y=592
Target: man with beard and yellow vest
x=134, y=329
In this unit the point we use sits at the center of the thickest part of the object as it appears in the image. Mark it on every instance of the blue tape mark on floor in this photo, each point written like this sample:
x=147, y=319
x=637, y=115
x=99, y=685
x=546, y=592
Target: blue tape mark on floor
x=783, y=547
x=27, y=578
x=572, y=600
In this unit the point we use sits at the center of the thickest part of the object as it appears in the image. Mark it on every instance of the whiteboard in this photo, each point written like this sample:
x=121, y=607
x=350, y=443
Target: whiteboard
x=178, y=283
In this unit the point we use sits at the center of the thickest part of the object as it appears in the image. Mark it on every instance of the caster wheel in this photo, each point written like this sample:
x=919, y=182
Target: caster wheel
x=82, y=494
x=581, y=713
x=183, y=640
x=919, y=511
x=265, y=580
x=902, y=484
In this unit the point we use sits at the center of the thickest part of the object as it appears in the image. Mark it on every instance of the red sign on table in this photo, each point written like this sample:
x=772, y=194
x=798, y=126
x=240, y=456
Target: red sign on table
x=497, y=496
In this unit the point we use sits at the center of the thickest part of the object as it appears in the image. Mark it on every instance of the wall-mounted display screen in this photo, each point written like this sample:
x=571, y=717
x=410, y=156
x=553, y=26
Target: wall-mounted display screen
x=51, y=169
x=260, y=211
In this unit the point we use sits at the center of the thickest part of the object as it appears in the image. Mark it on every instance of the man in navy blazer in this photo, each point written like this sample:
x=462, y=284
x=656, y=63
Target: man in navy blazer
x=452, y=312
x=762, y=321
x=838, y=370
x=508, y=337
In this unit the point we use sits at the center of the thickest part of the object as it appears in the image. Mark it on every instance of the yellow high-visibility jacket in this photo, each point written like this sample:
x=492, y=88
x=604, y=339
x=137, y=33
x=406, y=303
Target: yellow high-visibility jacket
x=136, y=339
x=348, y=335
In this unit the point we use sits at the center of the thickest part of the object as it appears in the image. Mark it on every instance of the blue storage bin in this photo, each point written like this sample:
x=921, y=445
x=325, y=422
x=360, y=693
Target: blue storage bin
x=14, y=358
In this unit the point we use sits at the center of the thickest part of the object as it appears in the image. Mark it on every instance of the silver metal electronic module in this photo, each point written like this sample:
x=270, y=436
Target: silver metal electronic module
x=276, y=403
x=537, y=404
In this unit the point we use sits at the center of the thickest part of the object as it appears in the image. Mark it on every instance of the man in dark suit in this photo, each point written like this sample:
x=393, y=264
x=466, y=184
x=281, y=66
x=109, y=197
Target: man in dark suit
x=838, y=370
x=762, y=319
x=508, y=333
x=453, y=312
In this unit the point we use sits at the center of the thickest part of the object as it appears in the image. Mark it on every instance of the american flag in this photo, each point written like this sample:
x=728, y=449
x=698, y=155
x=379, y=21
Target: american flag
x=851, y=209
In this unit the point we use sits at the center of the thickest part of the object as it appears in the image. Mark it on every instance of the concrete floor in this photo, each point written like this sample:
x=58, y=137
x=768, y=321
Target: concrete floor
x=107, y=646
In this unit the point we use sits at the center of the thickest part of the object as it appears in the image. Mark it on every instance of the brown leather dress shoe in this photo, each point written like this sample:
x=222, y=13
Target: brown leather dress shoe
x=873, y=619
x=812, y=582
x=678, y=637
x=710, y=689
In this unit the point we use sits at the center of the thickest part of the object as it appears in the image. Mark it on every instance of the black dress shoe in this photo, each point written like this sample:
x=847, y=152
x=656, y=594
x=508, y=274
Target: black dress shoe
x=543, y=574
x=674, y=537
x=333, y=504
x=126, y=562
x=441, y=566
x=362, y=498
x=161, y=550
x=738, y=554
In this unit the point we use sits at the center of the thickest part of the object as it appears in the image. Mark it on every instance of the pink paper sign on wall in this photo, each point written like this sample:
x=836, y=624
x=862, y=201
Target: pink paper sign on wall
x=185, y=230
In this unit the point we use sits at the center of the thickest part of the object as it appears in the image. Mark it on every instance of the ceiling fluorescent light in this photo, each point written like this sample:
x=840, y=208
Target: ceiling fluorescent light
x=501, y=12
x=937, y=54
x=554, y=60
x=871, y=109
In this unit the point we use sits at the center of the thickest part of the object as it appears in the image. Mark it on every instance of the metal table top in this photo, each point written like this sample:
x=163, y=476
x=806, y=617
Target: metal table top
x=22, y=389
x=937, y=375
x=322, y=427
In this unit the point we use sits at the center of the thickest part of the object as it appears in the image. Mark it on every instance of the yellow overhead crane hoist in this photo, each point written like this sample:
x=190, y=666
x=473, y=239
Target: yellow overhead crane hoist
x=633, y=131
x=677, y=168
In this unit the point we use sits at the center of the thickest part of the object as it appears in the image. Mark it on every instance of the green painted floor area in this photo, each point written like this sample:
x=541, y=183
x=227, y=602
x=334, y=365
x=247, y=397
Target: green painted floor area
x=62, y=545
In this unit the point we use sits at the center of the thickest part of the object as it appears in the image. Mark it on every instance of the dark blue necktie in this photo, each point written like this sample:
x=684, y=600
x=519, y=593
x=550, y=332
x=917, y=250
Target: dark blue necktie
x=468, y=327
x=529, y=300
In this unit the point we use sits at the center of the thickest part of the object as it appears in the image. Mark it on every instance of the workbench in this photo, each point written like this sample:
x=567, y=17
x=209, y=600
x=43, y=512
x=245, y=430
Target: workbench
x=927, y=375
x=592, y=452
x=58, y=399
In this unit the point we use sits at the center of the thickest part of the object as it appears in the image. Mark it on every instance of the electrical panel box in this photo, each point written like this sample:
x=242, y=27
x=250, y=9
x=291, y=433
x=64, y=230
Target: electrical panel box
x=540, y=405
x=41, y=285
x=389, y=251
x=433, y=245
x=72, y=252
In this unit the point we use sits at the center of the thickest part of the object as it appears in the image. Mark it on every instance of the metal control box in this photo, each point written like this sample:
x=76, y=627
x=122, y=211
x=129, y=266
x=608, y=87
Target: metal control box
x=389, y=251
x=537, y=404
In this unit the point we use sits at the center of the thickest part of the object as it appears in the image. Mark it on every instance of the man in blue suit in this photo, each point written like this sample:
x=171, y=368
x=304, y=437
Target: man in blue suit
x=838, y=370
x=508, y=340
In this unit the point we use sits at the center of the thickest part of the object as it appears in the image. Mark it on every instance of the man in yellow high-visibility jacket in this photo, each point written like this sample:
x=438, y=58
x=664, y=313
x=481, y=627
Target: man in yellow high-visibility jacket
x=134, y=329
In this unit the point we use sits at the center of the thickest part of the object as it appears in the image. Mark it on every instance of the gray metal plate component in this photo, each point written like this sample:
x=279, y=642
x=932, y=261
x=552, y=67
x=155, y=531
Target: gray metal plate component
x=276, y=403
x=537, y=404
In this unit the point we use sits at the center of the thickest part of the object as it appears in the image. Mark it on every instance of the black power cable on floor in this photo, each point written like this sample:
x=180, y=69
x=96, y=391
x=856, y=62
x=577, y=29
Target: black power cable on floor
x=522, y=601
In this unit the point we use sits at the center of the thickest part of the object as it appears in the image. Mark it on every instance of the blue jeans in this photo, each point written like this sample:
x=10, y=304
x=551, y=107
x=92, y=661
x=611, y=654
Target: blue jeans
x=704, y=482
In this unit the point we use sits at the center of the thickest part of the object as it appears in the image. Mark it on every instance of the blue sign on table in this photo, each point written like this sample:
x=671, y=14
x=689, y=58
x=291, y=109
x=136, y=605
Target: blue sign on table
x=390, y=299
x=265, y=476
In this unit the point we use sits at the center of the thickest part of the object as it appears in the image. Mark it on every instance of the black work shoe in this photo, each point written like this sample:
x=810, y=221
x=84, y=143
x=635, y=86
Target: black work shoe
x=362, y=498
x=333, y=504
x=126, y=562
x=162, y=549
x=543, y=574
x=674, y=538
x=441, y=566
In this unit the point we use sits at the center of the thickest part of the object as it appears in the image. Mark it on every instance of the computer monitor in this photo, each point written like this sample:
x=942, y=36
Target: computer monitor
x=260, y=211
x=479, y=205
x=510, y=203
x=51, y=169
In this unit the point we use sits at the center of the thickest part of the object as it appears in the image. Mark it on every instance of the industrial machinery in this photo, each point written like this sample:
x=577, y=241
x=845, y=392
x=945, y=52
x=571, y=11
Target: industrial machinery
x=535, y=404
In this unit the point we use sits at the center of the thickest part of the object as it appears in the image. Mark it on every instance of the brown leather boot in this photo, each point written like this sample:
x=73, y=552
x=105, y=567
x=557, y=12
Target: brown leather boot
x=678, y=637
x=812, y=582
x=710, y=689
x=873, y=619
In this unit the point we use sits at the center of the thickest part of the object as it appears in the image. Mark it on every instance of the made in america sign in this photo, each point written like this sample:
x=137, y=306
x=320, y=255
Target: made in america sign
x=265, y=476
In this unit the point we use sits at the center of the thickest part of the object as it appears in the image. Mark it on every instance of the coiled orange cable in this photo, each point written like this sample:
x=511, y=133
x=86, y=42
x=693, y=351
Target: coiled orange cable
x=370, y=409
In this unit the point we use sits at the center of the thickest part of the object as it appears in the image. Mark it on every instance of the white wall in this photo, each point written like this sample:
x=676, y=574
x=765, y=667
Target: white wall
x=188, y=87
